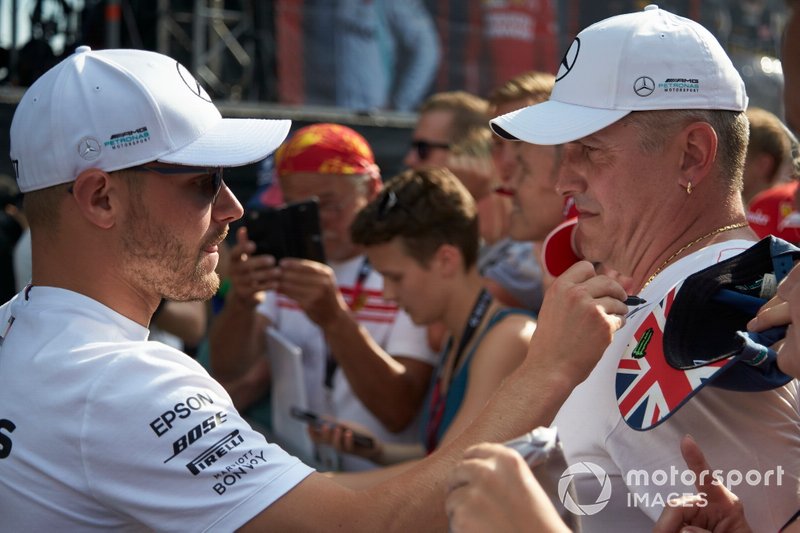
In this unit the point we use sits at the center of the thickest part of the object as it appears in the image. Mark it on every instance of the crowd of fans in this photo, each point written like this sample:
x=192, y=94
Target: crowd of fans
x=420, y=327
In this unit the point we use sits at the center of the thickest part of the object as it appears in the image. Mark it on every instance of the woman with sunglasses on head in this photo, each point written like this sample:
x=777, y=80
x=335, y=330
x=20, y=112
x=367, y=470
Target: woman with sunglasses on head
x=421, y=234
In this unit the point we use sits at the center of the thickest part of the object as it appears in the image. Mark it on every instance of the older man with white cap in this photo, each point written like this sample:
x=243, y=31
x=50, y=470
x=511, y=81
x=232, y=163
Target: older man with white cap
x=120, y=154
x=651, y=113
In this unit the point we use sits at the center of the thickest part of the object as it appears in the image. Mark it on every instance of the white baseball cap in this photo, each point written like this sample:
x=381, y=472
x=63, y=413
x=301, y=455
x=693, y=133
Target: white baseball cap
x=115, y=109
x=640, y=61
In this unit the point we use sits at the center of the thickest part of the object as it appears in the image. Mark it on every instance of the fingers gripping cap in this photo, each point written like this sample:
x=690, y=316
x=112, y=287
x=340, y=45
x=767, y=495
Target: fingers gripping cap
x=642, y=61
x=114, y=109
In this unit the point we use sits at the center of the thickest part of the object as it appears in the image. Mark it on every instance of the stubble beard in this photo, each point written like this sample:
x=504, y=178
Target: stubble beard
x=159, y=262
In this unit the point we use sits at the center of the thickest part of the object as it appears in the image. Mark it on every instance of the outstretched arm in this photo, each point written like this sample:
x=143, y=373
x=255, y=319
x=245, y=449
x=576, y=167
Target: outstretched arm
x=557, y=361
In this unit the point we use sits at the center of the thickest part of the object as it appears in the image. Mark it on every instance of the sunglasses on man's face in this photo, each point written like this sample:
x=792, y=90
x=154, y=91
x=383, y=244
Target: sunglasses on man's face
x=424, y=148
x=211, y=187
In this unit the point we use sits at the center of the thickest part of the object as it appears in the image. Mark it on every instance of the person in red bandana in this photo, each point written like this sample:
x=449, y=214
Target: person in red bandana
x=363, y=359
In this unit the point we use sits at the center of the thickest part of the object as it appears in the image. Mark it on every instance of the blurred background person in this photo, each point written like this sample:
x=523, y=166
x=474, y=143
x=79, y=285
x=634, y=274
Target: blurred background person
x=387, y=53
x=361, y=56
x=421, y=234
x=520, y=36
x=774, y=210
x=363, y=359
x=527, y=174
x=452, y=132
x=768, y=160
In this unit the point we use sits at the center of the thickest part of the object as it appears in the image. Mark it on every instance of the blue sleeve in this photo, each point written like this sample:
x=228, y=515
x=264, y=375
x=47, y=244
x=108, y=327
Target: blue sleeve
x=418, y=51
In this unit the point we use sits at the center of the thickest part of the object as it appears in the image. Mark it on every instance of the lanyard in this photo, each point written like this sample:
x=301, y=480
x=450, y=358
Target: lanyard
x=357, y=302
x=438, y=400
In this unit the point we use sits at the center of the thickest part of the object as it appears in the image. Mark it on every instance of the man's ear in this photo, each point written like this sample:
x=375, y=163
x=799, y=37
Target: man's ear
x=374, y=186
x=448, y=260
x=699, y=144
x=97, y=197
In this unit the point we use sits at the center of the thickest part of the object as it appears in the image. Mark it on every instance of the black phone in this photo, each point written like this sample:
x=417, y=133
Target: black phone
x=361, y=440
x=289, y=231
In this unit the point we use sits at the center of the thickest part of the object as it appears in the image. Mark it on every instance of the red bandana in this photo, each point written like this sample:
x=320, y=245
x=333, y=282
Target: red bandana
x=325, y=149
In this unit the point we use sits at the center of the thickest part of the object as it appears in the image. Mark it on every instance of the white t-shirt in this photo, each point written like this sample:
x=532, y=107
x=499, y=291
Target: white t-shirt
x=101, y=429
x=388, y=326
x=738, y=432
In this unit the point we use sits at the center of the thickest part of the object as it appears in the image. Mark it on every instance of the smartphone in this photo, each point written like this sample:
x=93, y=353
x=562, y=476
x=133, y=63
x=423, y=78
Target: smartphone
x=289, y=231
x=361, y=440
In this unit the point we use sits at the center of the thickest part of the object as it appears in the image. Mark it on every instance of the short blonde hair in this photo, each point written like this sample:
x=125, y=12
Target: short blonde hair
x=656, y=127
x=469, y=125
x=532, y=86
x=43, y=206
x=768, y=135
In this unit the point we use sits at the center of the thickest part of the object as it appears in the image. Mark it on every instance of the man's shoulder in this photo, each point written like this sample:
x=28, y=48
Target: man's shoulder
x=145, y=358
x=513, y=318
x=508, y=327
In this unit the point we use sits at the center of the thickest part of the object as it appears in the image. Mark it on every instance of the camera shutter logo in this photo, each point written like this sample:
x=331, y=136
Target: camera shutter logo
x=584, y=468
x=644, y=86
x=569, y=59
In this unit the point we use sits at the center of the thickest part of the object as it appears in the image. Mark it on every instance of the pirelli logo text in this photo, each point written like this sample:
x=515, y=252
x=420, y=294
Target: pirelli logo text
x=215, y=452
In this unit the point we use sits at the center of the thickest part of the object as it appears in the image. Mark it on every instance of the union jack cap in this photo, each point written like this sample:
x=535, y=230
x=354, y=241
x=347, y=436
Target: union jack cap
x=697, y=336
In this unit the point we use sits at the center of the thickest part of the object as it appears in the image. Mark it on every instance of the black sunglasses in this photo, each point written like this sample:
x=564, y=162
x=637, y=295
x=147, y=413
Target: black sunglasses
x=424, y=148
x=388, y=203
x=214, y=185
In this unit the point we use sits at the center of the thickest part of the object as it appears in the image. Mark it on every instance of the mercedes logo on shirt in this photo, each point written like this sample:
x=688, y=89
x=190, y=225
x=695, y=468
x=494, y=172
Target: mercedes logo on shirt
x=568, y=61
x=89, y=148
x=644, y=86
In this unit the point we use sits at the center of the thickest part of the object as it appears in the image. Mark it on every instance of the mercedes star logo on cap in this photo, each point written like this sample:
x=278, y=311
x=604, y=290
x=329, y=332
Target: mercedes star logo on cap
x=192, y=83
x=89, y=148
x=568, y=61
x=644, y=86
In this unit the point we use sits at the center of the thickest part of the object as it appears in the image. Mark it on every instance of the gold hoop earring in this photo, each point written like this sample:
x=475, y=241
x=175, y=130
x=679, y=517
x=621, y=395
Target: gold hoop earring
x=689, y=188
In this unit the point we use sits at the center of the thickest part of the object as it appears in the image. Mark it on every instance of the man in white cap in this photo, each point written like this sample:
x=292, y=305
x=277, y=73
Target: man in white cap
x=120, y=156
x=651, y=114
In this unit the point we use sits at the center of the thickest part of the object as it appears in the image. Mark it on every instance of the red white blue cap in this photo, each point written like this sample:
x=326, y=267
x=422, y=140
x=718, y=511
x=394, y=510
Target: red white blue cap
x=674, y=354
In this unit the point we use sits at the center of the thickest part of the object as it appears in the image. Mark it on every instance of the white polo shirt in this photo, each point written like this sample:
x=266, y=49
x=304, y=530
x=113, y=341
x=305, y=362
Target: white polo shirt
x=102, y=429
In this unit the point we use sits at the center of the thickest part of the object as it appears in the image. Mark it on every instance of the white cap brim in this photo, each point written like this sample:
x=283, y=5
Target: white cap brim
x=232, y=142
x=554, y=122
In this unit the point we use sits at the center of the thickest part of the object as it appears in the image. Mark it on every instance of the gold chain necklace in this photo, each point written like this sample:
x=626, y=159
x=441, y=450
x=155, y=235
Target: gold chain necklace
x=687, y=246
